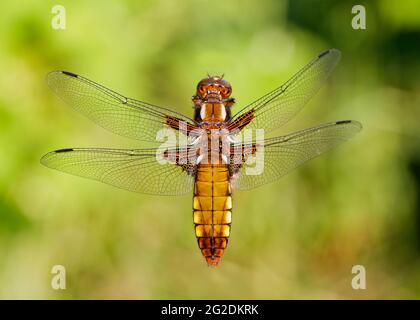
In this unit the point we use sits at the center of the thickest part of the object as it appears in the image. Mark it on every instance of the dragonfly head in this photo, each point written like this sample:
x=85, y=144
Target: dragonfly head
x=214, y=86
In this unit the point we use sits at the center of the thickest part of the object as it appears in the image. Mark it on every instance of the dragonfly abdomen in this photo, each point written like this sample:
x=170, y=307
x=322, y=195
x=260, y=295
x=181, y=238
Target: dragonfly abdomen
x=212, y=205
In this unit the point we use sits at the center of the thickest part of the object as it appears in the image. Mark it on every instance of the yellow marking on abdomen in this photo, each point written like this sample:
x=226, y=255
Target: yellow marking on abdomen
x=212, y=204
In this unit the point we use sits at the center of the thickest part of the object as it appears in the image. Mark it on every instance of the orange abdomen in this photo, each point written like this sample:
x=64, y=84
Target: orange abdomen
x=212, y=206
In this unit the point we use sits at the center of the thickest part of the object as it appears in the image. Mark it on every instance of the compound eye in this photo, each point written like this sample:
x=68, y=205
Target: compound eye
x=201, y=89
x=225, y=92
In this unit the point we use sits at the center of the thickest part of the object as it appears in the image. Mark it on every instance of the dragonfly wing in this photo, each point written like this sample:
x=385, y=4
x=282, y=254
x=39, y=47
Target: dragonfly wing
x=113, y=111
x=133, y=170
x=280, y=105
x=283, y=154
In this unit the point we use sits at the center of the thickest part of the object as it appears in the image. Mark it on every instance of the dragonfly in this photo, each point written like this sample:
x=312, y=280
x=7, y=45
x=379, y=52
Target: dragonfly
x=214, y=158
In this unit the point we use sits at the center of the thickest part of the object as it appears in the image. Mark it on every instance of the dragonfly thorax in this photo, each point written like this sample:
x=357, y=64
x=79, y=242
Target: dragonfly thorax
x=213, y=112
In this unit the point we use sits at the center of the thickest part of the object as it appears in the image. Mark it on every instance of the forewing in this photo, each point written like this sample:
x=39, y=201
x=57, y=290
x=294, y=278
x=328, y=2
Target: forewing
x=133, y=170
x=280, y=105
x=113, y=111
x=283, y=154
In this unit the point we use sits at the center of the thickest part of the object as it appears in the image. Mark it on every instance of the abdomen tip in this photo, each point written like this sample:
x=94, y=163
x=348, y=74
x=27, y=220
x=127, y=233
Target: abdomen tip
x=213, y=261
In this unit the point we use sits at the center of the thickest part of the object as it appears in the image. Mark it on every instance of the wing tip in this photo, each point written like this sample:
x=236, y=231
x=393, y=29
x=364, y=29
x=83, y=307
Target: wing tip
x=71, y=74
x=328, y=51
x=67, y=73
x=357, y=124
x=323, y=53
x=63, y=150
x=343, y=121
x=51, y=74
x=45, y=157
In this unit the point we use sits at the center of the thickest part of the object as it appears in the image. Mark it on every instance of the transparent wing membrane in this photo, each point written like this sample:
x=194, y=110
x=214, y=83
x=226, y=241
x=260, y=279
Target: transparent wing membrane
x=139, y=170
x=133, y=170
x=283, y=154
x=279, y=106
x=117, y=113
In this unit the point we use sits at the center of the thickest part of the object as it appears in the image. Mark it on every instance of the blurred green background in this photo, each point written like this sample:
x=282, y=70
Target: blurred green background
x=297, y=238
